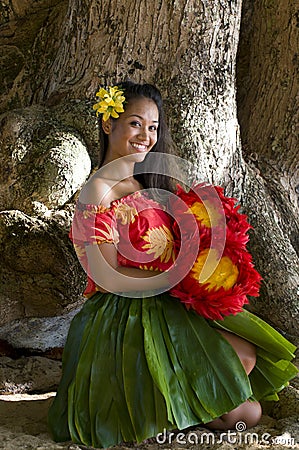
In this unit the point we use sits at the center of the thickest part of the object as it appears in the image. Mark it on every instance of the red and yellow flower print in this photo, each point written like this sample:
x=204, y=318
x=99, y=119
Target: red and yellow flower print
x=145, y=237
x=92, y=225
x=160, y=243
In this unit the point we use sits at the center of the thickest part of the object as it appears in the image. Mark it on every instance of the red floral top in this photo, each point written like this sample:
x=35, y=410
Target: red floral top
x=138, y=226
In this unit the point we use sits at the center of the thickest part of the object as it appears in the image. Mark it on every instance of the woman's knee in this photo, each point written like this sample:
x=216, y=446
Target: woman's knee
x=248, y=412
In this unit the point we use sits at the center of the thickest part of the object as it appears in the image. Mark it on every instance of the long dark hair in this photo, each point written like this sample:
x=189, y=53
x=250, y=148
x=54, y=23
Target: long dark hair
x=155, y=171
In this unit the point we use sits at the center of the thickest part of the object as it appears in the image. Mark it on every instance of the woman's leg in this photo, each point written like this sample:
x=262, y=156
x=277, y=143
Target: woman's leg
x=248, y=412
x=244, y=349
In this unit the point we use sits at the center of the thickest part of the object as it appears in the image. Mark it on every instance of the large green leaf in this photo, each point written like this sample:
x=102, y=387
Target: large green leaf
x=141, y=393
x=103, y=415
x=270, y=375
x=71, y=414
x=84, y=396
x=162, y=367
x=257, y=331
x=209, y=363
x=58, y=413
x=273, y=368
x=152, y=340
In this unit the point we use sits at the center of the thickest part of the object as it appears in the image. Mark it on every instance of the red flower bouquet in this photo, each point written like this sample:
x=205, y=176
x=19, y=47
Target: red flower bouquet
x=222, y=274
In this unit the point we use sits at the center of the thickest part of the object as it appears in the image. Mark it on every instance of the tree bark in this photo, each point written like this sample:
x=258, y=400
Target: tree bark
x=267, y=82
x=268, y=92
x=188, y=48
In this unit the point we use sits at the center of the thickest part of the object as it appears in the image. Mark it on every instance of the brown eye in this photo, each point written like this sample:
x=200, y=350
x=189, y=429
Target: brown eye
x=135, y=123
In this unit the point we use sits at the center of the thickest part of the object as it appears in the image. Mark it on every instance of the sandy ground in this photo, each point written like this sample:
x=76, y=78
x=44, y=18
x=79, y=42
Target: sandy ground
x=23, y=425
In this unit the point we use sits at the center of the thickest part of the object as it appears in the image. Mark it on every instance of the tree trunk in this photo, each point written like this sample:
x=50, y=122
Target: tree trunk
x=268, y=92
x=268, y=109
x=188, y=48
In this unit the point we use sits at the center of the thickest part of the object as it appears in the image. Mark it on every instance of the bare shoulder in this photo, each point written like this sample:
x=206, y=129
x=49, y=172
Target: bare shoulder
x=97, y=191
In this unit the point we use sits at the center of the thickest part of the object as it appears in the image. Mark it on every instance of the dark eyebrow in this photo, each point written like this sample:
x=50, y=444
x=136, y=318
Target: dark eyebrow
x=140, y=117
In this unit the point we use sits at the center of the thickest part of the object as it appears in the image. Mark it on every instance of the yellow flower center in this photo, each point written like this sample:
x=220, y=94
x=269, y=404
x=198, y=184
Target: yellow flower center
x=208, y=268
x=205, y=212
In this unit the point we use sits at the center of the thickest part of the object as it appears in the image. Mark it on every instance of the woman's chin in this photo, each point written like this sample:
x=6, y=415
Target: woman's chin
x=139, y=156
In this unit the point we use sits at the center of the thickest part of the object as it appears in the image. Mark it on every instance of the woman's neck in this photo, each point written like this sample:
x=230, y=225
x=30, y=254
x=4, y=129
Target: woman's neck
x=117, y=170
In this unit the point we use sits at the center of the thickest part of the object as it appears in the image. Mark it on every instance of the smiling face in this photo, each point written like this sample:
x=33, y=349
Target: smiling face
x=134, y=132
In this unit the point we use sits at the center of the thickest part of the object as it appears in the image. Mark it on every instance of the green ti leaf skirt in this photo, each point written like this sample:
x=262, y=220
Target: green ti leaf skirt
x=134, y=367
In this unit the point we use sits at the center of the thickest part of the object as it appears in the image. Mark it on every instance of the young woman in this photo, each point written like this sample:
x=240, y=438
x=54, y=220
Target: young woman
x=136, y=361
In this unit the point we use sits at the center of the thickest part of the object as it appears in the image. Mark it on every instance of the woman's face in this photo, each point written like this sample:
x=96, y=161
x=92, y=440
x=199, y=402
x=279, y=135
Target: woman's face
x=135, y=131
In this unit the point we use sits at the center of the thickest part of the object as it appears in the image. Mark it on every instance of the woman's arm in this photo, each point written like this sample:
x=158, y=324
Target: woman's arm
x=104, y=269
x=110, y=277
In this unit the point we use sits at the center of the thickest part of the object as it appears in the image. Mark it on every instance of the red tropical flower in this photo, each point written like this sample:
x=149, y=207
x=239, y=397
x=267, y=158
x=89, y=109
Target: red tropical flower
x=222, y=275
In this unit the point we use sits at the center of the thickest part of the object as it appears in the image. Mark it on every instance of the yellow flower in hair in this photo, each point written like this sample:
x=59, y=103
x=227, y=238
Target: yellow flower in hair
x=111, y=102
